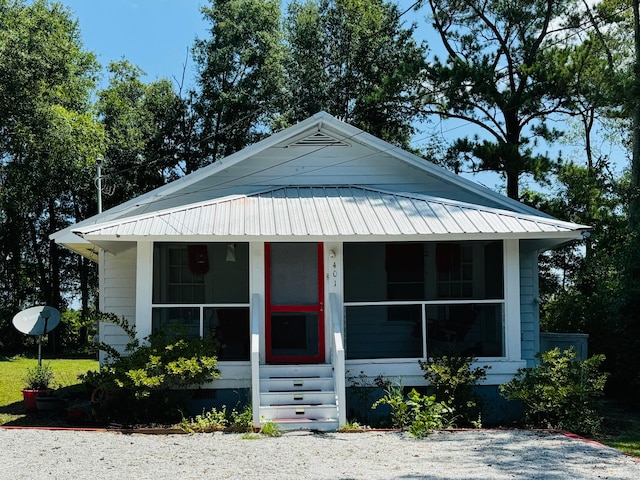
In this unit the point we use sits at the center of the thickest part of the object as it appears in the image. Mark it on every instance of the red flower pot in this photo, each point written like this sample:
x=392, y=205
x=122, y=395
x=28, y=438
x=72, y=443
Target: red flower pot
x=30, y=398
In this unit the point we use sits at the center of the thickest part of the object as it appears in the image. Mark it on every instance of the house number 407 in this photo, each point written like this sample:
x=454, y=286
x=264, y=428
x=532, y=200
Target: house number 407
x=334, y=274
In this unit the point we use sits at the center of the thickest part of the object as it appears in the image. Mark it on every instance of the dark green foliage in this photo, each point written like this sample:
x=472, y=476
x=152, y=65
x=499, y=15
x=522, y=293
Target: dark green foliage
x=240, y=74
x=560, y=392
x=590, y=287
x=144, y=383
x=356, y=60
x=451, y=378
x=143, y=123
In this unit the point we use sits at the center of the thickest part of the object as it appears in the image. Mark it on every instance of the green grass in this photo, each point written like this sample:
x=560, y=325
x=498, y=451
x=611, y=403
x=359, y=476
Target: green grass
x=12, y=375
x=627, y=440
x=621, y=429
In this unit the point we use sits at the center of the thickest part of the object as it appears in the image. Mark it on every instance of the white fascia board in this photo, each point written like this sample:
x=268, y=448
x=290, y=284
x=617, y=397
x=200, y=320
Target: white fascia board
x=559, y=236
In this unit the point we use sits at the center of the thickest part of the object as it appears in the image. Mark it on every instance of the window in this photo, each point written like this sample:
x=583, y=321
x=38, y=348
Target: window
x=454, y=266
x=203, y=289
x=402, y=298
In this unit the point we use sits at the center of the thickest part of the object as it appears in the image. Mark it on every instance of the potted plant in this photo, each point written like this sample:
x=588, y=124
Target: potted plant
x=37, y=383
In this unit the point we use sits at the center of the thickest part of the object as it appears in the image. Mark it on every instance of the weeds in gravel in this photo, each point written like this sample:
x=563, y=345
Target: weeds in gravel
x=270, y=429
x=238, y=421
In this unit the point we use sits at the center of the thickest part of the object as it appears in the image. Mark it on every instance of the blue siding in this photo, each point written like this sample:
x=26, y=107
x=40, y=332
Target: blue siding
x=529, y=307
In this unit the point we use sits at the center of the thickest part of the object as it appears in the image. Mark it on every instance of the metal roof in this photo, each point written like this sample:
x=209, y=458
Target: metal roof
x=328, y=211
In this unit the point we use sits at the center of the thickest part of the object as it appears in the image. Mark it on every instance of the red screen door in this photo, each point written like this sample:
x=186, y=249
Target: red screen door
x=294, y=307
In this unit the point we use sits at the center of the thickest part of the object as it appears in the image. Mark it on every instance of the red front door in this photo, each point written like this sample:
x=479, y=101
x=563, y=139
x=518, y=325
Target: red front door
x=294, y=306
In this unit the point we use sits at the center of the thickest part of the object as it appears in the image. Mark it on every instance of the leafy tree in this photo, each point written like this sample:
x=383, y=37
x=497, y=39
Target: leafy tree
x=143, y=125
x=356, y=60
x=240, y=74
x=48, y=141
x=504, y=73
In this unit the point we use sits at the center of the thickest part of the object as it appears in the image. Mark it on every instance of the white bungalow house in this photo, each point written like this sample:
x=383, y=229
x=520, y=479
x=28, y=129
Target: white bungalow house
x=319, y=254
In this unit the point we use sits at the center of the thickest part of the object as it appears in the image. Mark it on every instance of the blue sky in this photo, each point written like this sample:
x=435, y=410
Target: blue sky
x=156, y=35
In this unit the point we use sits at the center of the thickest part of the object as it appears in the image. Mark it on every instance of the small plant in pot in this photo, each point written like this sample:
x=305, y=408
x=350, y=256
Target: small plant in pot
x=38, y=383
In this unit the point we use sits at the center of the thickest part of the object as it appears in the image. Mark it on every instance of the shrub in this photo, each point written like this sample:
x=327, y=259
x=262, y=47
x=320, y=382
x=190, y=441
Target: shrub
x=560, y=392
x=210, y=421
x=395, y=399
x=146, y=378
x=420, y=414
x=39, y=377
x=452, y=379
x=428, y=414
x=241, y=421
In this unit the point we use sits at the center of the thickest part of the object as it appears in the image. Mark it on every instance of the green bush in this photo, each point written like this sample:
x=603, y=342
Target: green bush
x=420, y=414
x=452, y=378
x=146, y=380
x=39, y=377
x=428, y=414
x=560, y=392
x=239, y=421
x=210, y=421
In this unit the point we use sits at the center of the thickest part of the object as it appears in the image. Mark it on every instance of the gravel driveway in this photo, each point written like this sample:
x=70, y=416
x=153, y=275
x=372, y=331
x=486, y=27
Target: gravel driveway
x=476, y=454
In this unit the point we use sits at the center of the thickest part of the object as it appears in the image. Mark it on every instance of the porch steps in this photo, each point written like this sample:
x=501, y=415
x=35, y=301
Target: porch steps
x=298, y=397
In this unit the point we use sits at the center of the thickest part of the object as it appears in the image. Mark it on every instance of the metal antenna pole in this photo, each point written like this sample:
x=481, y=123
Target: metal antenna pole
x=99, y=183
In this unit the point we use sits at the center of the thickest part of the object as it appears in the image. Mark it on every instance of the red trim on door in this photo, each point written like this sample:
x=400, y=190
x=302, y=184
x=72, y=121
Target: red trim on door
x=319, y=309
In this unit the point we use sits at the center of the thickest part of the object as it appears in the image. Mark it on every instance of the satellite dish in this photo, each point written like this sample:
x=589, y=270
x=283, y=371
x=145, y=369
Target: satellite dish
x=37, y=320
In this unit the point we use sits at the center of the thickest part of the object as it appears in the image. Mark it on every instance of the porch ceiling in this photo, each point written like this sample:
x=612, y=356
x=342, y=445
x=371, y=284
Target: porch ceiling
x=329, y=211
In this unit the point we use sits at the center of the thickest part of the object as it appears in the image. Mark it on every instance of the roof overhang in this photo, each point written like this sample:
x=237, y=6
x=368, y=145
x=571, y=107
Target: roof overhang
x=345, y=213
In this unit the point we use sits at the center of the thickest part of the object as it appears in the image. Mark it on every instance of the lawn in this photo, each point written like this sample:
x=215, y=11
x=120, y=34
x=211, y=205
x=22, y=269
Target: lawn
x=13, y=371
x=621, y=428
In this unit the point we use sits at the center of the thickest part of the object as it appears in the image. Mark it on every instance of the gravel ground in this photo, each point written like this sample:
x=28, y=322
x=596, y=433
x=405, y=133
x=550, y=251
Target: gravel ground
x=477, y=454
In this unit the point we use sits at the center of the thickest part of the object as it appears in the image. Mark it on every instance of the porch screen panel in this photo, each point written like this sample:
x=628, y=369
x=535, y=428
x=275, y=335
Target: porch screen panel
x=457, y=286
x=176, y=322
x=230, y=329
x=384, y=331
x=203, y=289
x=200, y=273
x=466, y=329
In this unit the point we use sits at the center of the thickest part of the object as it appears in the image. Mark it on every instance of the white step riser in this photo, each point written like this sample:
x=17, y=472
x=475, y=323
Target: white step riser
x=323, y=426
x=296, y=384
x=292, y=398
x=267, y=371
x=320, y=412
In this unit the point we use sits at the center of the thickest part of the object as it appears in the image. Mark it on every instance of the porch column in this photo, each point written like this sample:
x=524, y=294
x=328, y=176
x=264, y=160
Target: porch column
x=257, y=293
x=512, y=321
x=144, y=288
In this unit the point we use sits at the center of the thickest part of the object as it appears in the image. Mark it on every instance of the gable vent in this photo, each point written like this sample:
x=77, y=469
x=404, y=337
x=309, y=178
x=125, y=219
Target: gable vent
x=319, y=139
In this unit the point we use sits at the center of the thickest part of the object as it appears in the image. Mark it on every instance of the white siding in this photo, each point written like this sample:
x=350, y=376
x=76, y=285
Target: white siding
x=529, y=306
x=117, y=295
